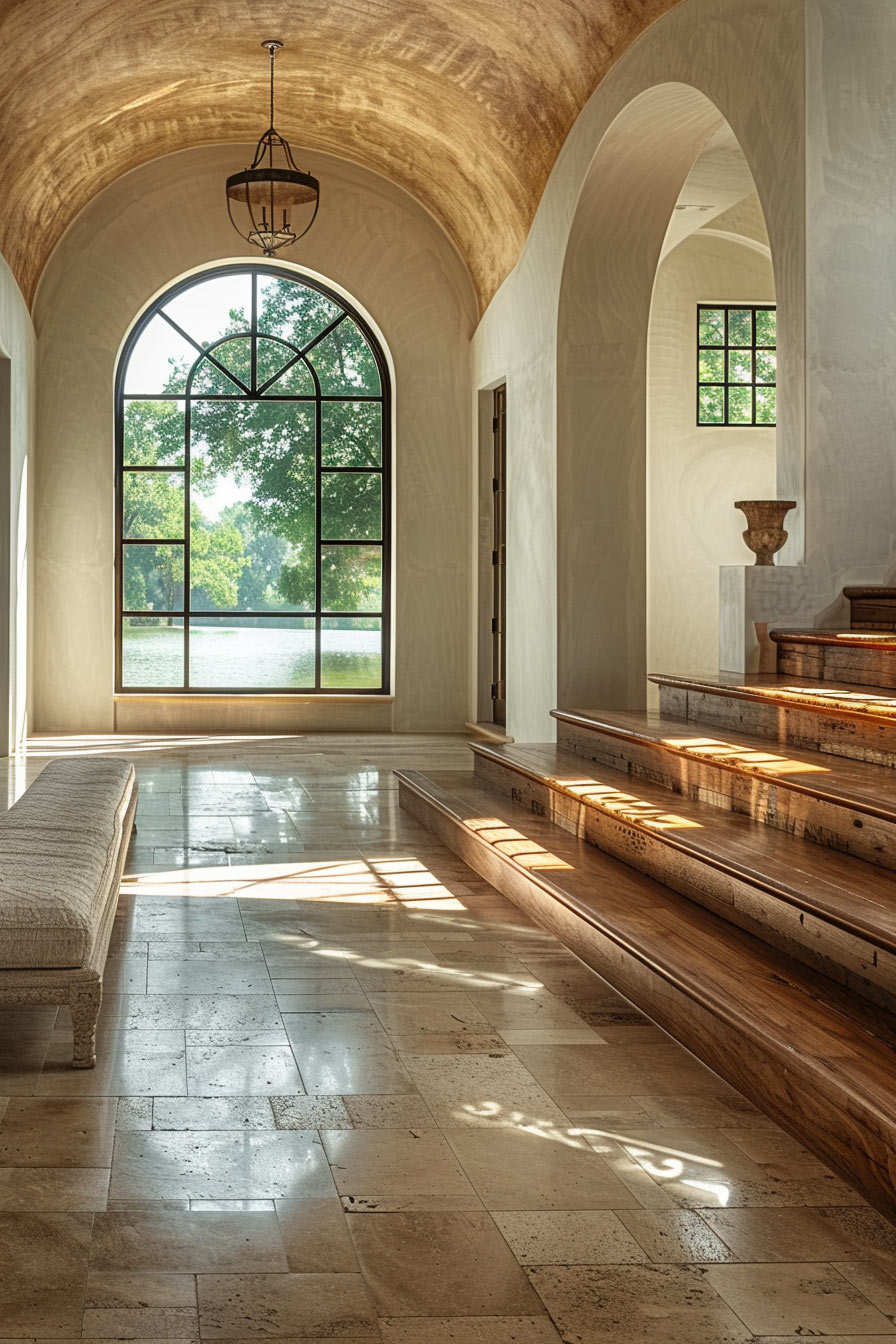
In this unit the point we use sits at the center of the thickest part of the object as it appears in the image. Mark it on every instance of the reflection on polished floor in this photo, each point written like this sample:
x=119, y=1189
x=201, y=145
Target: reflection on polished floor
x=346, y=1091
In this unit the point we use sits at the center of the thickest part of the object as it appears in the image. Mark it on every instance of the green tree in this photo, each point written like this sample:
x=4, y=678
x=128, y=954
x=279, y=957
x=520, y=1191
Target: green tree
x=260, y=552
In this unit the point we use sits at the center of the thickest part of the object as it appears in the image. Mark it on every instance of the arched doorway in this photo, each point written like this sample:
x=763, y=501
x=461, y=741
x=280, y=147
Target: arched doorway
x=615, y=247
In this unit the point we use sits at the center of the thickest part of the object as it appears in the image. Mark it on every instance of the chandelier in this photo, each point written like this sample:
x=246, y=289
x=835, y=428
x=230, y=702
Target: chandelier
x=265, y=195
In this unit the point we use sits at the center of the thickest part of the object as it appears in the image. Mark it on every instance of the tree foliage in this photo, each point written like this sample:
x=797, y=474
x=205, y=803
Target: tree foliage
x=257, y=552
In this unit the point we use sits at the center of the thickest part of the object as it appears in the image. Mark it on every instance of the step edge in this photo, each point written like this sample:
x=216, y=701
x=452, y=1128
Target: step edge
x=796, y=786
x=770, y=886
x=739, y=691
x=835, y=639
x=694, y=986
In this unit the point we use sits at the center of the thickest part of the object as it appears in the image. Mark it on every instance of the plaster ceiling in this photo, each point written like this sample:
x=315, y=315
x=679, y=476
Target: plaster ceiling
x=465, y=103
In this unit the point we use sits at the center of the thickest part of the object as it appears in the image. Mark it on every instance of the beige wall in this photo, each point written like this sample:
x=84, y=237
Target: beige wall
x=744, y=60
x=695, y=474
x=17, y=376
x=137, y=237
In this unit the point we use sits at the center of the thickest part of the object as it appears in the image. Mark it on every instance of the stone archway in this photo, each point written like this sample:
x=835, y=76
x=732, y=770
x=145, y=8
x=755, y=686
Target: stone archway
x=614, y=249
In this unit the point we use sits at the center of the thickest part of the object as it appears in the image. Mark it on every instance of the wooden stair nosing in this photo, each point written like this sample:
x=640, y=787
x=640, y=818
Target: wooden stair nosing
x=774, y=968
x=777, y=692
x=875, y=641
x=838, y=797
x=761, y=980
x=808, y=900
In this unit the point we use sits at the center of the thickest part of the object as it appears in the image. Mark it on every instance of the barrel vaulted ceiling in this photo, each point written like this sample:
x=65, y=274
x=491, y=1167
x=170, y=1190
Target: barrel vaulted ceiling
x=464, y=103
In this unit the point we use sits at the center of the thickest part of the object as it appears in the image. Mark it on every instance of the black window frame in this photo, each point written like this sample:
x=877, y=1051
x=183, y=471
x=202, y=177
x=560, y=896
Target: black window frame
x=752, y=348
x=384, y=470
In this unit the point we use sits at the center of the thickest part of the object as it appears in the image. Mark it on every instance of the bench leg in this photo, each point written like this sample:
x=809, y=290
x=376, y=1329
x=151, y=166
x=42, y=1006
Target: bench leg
x=84, y=1000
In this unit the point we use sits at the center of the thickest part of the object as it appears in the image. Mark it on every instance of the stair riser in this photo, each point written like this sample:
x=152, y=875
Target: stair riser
x=872, y=614
x=857, y=739
x=855, y=1142
x=835, y=952
x=858, y=667
x=831, y=825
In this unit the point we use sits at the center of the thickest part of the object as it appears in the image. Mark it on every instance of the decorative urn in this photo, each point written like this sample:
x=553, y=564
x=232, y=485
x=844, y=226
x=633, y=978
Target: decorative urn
x=765, y=526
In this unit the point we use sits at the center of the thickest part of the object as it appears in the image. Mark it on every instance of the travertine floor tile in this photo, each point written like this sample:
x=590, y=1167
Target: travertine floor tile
x=283, y=1306
x=129, y=1063
x=481, y=1091
x=172, y=1242
x=470, y=1330
x=385, y=1163
x=256, y=1164
x=564, y=1237
x=57, y=1132
x=316, y=1237
x=208, y=977
x=440, y=1264
x=53, y=1189
x=798, y=1299
x=636, y=1304
x=620, y=1172
x=511, y=1169
x=407, y=1011
x=127, y=1289
x=757, y=1234
x=242, y=1069
x=145, y=1323
x=330, y=1068
x=246, y=1112
x=43, y=1272
x=388, y=1112
x=676, y=1237
x=310, y=1113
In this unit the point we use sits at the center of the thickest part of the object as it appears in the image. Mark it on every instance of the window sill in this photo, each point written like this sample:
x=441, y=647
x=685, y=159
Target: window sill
x=251, y=697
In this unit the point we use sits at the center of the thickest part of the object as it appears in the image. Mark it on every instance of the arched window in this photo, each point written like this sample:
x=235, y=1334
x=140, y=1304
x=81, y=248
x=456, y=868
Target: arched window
x=253, y=491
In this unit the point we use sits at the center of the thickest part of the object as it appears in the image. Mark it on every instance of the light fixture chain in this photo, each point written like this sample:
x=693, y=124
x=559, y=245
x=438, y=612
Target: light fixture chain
x=272, y=49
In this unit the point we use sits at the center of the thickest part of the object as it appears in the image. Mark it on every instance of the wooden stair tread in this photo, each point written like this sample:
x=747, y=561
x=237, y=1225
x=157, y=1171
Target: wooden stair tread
x=840, y=699
x=832, y=886
x=869, y=590
x=862, y=639
x=860, y=785
x=761, y=993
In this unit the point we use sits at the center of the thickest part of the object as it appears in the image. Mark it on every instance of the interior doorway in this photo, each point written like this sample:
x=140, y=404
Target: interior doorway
x=499, y=556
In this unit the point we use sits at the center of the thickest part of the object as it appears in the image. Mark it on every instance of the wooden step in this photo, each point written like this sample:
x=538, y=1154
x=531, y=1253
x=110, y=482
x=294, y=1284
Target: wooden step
x=819, y=1060
x=872, y=607
x=831, y=717
x=833, y=801
x=856, y=657
x=835, y=913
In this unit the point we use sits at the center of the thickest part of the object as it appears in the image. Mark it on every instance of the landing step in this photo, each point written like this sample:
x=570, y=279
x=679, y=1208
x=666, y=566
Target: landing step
x=839, y=718
x=834, y=639
x=872, y=607
x=818, y=1060
x=835, y=912
x=835, y=801
x=857, y=657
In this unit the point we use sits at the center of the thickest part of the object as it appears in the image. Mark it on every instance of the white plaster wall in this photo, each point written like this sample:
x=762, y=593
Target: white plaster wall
x=747, y=58
x=851, y=280
x=695, y=474
x=17, y=345
x=133, y=240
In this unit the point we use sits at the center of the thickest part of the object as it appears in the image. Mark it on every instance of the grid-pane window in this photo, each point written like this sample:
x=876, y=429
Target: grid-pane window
x=253, y=491
x=736, y=365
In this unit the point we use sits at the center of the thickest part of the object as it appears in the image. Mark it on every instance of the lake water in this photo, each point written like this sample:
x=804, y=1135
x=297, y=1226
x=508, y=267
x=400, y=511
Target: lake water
x=277, y=654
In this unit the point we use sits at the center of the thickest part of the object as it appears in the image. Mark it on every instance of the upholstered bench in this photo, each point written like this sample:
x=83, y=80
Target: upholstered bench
x=62, y=851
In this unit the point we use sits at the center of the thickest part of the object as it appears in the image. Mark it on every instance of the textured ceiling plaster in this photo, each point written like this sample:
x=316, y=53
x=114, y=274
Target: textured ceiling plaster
x=465, y=103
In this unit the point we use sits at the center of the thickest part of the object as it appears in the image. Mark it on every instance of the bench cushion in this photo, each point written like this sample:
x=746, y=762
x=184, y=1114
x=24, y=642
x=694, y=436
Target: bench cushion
x=58, y=850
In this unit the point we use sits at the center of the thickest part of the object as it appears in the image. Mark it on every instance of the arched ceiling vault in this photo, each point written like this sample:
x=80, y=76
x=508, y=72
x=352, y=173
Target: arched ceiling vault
x=463, y=103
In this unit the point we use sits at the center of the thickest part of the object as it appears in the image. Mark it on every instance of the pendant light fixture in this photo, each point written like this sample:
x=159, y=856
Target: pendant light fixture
x=261, y=199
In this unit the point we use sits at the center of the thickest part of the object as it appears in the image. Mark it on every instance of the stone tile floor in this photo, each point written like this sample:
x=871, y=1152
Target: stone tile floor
x=346, y=1091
